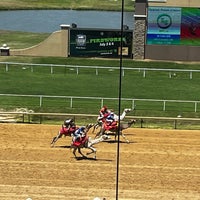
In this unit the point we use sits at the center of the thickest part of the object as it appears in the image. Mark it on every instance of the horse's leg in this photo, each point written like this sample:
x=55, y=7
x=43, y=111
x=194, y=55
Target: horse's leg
x=123, y=115
x=95, y=127
x=55, y=138
x=124, y=137
x=126, y=110
x=79, y=150
x=93, y=150
x=74, y=151
x=116, y=135
x=98, y=134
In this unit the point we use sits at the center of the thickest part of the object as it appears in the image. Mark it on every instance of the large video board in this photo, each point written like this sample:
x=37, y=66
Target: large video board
x=173, y=26
x=100, y=43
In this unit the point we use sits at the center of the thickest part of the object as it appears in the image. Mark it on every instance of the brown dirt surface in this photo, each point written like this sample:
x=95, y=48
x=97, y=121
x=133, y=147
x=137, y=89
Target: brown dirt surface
x=156, y=165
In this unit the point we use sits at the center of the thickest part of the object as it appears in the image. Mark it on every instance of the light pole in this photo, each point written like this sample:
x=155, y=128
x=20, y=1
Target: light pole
x=119, y=98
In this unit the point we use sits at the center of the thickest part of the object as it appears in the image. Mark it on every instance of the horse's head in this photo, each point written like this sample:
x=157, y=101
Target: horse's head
x=126, y=110
x=132, y=121
x=88, y=126
x=105, y=137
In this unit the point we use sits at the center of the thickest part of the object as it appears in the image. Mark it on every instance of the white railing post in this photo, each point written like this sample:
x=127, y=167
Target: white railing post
x=96, y=71
x=51, y=69
x=71, y=102
x=133, y=104
x=77, y=70
x=195, y=107
x=101, y=103
x=31, y=68
x=6, y=67
x=144, y=73
x=164, y=105
x=190, y=74
x=40, y=100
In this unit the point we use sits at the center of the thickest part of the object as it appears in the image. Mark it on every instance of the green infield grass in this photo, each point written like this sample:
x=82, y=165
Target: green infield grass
x=64, y=81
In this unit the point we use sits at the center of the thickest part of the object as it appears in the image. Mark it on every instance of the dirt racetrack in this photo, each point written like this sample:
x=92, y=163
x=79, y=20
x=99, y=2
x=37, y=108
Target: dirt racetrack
x=156, y=165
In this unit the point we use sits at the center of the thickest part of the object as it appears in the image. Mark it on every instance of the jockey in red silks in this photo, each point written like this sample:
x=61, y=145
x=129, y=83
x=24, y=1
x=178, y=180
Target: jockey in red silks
x=103, y=113
x=68, y=127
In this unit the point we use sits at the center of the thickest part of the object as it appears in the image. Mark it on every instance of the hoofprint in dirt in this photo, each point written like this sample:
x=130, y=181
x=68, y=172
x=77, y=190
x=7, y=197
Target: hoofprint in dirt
x=155, y=165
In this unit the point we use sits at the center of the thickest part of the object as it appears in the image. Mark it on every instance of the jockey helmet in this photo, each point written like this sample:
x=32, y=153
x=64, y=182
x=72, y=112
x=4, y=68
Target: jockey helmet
x=82, y=128
x=68, y=121
x=112, y=113
x=105, y=107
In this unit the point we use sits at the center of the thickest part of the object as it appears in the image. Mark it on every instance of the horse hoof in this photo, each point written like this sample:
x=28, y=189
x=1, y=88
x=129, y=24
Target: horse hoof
x=127, y=110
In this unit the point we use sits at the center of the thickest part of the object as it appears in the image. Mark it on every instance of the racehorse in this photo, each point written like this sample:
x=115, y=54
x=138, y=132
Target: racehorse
x=87, y=142
x=123, y=125
x=67, y=132
x=116, y=118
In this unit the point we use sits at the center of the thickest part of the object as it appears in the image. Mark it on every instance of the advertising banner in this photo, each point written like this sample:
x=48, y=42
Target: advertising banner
x=100, y=43
x=163, y=25
x=173, y=26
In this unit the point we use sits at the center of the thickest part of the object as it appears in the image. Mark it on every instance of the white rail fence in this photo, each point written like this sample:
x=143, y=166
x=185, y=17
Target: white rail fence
x=133, y=102
x=52, y=67
x=25, y=117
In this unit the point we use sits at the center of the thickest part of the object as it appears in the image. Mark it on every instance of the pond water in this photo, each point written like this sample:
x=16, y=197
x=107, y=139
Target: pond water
x=48, y=21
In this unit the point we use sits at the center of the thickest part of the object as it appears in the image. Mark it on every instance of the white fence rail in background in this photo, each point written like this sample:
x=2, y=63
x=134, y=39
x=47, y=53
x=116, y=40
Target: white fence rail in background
x=171, y=72
x=25, y=117
x=102, y=99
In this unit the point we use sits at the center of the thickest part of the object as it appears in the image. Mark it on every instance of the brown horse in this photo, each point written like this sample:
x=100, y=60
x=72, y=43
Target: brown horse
x=123, y=125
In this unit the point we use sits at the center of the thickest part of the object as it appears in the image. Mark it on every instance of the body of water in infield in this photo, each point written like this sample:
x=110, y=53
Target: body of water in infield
x=47, y=21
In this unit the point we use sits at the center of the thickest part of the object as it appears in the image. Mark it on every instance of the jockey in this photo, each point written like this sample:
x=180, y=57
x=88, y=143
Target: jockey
x=110, y=120
x=68, y=126
x=103, y=113
x=78, y=134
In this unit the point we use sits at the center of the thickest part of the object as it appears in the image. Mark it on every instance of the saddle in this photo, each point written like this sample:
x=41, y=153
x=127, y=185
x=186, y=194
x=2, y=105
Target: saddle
x=80, y=141
x=110, y=126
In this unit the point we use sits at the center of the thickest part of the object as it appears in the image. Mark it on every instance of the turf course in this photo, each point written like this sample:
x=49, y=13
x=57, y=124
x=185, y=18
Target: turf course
x=65, y=82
